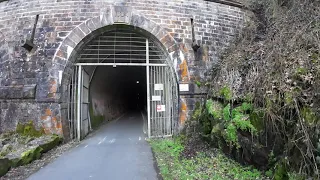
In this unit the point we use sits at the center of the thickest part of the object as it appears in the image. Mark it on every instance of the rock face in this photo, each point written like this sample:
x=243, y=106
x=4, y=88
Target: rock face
x=4, y=166
x=47, y=142
x=14, y=154
x=24, y=156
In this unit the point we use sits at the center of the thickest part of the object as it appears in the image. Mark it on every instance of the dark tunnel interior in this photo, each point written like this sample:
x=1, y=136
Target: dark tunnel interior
x=120, y=88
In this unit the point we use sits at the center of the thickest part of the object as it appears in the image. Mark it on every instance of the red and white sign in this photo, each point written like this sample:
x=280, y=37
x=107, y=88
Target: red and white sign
x=161, y=108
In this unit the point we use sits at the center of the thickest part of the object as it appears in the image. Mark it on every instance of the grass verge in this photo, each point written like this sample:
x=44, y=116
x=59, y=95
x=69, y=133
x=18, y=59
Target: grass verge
x=204, y=165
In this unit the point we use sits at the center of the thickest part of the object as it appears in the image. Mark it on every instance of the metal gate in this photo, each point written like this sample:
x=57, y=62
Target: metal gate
x=163, y=100
x=125, y=47
x=78, y=106
x=84, y=102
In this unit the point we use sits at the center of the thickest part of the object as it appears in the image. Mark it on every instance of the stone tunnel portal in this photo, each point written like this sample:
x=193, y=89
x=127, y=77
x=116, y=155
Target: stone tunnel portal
x=123, y=69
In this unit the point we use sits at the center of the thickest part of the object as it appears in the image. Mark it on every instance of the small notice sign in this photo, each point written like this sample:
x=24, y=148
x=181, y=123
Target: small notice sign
x=161, y=108
x=156, y=98
x=184, y=87
x=158, y=87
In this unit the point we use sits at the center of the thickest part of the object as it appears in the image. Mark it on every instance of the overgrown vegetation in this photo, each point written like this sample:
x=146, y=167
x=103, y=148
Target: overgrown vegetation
x=174, y=164
x=264, y=93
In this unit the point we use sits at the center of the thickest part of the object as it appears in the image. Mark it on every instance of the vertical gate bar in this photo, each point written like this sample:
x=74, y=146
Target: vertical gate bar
x=72, y=102
x=74, y=86
x=148, y=86
x=157, y=103
x=162, y=94
x=160, y=113
x=79, y=102
x=153, y=103
x=68, y=106
x=164, y=113
x=69, y=100
x=166, y=94
x=169, y=99
x=73, y=94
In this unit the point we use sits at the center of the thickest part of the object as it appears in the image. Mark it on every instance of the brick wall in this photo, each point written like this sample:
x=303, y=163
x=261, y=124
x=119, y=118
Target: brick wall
x=30, y=79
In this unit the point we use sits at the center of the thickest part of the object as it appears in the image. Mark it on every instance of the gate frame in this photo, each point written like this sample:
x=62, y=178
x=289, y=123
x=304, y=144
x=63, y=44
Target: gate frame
x=80, y=70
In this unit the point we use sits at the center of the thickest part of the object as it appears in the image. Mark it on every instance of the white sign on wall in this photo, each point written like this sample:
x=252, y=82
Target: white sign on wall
x=161, y=108
x=156, y=98
x=158, y=87
x=184, y=87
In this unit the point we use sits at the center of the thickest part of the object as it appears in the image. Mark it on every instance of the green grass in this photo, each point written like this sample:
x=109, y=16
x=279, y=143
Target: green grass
x=215, y=166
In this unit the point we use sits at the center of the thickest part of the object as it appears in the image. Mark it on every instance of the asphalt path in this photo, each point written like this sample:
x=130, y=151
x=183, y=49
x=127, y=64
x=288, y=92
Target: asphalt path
x=117, y=151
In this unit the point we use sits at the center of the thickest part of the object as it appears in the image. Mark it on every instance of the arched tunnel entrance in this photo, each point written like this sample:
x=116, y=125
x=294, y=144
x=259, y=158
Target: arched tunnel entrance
x=123, y=70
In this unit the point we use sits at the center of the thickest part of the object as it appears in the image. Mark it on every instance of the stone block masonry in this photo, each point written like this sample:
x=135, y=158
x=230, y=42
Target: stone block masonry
x=29, y=85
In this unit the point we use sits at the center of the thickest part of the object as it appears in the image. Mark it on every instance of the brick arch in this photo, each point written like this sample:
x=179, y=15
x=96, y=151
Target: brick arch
x=83, y=33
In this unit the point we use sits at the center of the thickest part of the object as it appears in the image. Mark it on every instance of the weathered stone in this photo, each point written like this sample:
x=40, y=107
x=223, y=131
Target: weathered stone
x=24, y=156
x=4, y=166
x=6, y=149
x=47, y=142
x=18, y=92
x=122, y=14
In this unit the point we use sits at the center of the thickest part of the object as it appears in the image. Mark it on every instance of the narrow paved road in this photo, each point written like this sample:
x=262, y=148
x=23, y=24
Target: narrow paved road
x=117, y=151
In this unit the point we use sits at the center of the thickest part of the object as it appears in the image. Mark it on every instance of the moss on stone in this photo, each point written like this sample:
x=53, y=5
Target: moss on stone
x=96, y=120
x=28, y=129
x=15, y=162
x=31, y=155
x=54, y=141
x=4, y=166
x=20, y=128
x=6, y=149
